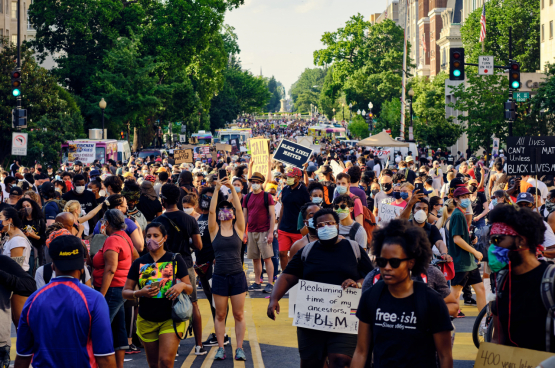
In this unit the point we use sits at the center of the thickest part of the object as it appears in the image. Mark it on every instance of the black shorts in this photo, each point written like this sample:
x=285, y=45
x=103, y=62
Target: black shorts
x=467, y=278
x=314, y=344
x=229, y=285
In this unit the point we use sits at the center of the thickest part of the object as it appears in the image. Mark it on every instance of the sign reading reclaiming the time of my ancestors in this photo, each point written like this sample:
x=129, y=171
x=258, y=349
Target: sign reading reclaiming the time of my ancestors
x=530, y=155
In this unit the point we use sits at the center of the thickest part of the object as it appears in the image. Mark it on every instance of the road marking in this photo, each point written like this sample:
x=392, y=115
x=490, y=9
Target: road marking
x=209, y=358
x=205, y=332
x=233, y=338
x=253, y=337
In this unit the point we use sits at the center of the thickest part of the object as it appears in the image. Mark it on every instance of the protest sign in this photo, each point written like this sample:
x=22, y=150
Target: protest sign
x=182, y=138
x=292, y=300
x=530, y=155
x=292, y=153
x=337, y=169
x=260, y=155
x=305, y=140
x=326, y=307
x=493, y=355
x=388, y=212
x=182, y=156
x=223, y=147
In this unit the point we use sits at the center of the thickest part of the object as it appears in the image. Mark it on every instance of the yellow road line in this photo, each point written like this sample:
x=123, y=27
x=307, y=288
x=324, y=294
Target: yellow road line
x=209, y=358
x=253, y=336
x=205, y=332
x=233, y=338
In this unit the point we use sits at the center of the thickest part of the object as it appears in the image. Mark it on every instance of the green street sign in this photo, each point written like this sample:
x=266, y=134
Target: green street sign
x=521, y=96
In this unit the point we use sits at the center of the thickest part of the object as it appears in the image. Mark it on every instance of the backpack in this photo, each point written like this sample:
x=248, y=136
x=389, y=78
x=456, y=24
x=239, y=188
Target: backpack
x=547, y=292
x=369, y=222
x=353, y=232
x=329, y=189
x=60, y=203
x=308, y=248
x=266, y=202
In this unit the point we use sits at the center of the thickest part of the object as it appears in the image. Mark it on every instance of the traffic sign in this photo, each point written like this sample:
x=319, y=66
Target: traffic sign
x=521, y=96
x=19, y=144
x=485, y=65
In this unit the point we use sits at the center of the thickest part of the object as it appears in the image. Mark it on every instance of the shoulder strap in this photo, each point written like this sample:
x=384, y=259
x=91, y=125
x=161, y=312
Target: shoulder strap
x=356, y=249
x=547, y=290
x=172, y=223
x=376, y=293
x=307, y=248
x=266, y=201
x=127, y=241
x=247, y=199
x=421, y=298
x=174, y=263
x=47, y=272
x=354, y=229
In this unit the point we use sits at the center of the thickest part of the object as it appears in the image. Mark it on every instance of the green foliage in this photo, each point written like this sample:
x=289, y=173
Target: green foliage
x=390, y=118
x=309, y=84
x=482, y=105
x=359, y=128
x=523, y=16
x=275, y=88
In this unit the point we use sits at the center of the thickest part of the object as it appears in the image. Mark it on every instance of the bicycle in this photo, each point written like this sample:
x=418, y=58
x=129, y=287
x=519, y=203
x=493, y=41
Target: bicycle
x=482, y=331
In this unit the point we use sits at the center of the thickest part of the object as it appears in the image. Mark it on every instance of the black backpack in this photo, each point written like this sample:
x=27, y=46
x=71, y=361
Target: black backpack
x=266, y=202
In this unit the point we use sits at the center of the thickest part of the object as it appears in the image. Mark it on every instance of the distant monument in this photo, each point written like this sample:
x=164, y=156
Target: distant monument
x=283, y=107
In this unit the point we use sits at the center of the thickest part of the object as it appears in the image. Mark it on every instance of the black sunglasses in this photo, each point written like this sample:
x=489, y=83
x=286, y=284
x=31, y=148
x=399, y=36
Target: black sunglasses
x=343, y=206
x=394, y=262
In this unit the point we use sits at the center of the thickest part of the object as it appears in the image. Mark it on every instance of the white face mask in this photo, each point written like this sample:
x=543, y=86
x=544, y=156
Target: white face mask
x=420, y=216
x=256, y=186
x=188, y=211
x=102, y=193
x=80, y=190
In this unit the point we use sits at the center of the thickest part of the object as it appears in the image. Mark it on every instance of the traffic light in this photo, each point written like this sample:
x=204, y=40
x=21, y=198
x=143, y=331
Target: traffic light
x=16, y=83
x=510, y=110
x=456, y=63
x=122, y=135
x=19, y=118
x=514, y=75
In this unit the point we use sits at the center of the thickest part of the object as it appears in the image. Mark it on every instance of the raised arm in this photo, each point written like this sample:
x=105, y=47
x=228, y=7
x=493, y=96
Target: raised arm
x=212, y=223
x=239, y=218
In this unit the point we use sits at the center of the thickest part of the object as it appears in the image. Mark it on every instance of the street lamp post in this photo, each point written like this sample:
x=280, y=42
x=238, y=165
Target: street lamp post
x=343, y=110
x=102, y=105
x=333, y=113
x=411, y=129
x=350, y=111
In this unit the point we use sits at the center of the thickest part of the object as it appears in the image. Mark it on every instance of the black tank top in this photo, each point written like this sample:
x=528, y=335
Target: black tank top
x=227, y=251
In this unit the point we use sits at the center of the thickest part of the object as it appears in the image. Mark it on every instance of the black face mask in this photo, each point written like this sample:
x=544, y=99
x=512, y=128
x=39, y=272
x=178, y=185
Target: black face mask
x=375, y=191
x=472, y=189
x=386, y=187
x=205, y=202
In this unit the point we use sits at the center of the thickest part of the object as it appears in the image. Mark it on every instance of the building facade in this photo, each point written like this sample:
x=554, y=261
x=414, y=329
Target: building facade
x=8, y=20
x=390, y=12
x=547, y=46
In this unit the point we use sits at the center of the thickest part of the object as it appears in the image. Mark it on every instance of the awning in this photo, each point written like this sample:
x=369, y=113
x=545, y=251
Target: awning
x=381, y=140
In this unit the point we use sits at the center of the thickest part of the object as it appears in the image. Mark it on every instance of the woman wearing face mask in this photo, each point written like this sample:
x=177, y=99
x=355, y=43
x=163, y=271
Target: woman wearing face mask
x=519, y=313
x=374, y=189
x=348, y=228
x=316, y=191
x=397, y=194
x=479, y=204
x=238, y=187
x=228, y=281
x=402, y=250
x=154, y=274
x=33, y=226
x=307, y=211
x=131, y=191
x=17, y=246
x=428, y=181
x=332, y=260
x=189, y=203
x=343, y=187
x=436, y=209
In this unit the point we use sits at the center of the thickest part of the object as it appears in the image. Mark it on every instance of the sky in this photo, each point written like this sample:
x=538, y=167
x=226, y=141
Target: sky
x=280, y=36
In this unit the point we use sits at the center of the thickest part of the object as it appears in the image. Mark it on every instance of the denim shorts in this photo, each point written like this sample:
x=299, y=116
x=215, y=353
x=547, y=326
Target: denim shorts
x=115, y=301
x=229, y=285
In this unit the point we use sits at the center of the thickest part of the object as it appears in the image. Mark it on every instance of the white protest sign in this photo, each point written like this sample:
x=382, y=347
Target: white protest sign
x=485, y=65
x=292, y=300
x=388, y=212
x=326, y=307
x=337, y=169
x=182, y=138
x=304, y=141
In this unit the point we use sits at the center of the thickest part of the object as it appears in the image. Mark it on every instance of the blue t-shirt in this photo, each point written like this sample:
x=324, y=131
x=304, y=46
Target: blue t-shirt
x=65, y=324
x=130, y=227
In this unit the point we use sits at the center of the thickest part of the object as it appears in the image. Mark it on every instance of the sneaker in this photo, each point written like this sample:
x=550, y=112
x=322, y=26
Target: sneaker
x=460, y=314
x=261, y=279
x=255, y=287
x=268, y=289
x=4, y=356
x=226, y=340
x=199, y=350
x=240, y=354
x=470, y=302
x=132, y=350
x=211, y=341
x=220, y=354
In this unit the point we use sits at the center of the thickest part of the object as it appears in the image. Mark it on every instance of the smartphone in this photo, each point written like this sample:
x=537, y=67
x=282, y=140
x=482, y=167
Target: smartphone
x=222, y=173
x=419, y=186
x=155, y=285
x=203, y=182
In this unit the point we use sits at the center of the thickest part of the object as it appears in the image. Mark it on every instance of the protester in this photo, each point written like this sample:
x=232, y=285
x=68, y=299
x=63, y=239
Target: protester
x=84, y=197
x=348, y=228
x=149, y=204
x=17, y=246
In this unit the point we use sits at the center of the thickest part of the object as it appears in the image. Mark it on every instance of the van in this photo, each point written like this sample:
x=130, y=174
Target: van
x=124, y=152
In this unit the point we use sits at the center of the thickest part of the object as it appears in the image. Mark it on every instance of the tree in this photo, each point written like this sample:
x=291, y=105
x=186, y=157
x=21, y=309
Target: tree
x=359, y=128
x=390, y=117
x=274, y=87
x=524, y=18
x=482, y=109
x=310, y=84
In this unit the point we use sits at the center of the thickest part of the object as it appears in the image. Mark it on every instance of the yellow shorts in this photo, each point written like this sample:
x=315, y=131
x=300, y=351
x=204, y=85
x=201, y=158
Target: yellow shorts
x=150, y=331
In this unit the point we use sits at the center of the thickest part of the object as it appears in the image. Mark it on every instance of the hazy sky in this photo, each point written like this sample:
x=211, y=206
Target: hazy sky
x=280, y=36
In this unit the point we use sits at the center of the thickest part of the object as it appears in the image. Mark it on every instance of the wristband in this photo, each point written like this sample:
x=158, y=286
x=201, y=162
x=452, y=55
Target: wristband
x=134, y=297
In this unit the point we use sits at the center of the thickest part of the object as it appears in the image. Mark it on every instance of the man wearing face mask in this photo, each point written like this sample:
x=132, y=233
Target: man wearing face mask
x=463, y=254
x=348, y=228
x=293, y=196
x=385, y=196
x=84, y=197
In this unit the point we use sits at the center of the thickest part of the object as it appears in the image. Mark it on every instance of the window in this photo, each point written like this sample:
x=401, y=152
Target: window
x=550, y=29
x=14, y=10
x=543, y=32
x=14, y=39
x=543, y=3
x=1, y=6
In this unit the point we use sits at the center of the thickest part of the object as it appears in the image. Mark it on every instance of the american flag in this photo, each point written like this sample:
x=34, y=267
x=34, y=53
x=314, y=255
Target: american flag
x=483, y=23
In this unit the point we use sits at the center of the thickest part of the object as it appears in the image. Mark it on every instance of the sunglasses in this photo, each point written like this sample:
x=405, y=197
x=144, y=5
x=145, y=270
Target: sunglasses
x=325, y=223
x=496, y=239
x=343, y=206
x=393, y=262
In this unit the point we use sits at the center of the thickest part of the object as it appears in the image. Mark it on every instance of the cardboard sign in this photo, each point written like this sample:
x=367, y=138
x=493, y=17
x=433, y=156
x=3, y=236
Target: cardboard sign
x=223, y=147
x=183, y=156
x=292, y=153
x=388, y=212
x=305, y=141
x=260, y=154
x=493, y=355
x=326, y=307
x=530, y=155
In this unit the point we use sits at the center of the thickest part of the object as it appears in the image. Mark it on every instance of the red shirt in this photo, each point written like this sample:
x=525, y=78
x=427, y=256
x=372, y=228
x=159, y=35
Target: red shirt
x=258, y=216
x=122, y=246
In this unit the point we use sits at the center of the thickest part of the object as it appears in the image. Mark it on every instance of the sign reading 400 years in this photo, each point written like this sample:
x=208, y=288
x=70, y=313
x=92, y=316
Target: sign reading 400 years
x=530, y=155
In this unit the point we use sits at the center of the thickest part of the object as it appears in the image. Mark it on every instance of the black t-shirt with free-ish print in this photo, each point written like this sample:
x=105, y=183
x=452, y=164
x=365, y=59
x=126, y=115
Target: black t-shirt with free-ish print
x=206, y=254
x=145, y=271
x=87, y=200
x=292, y=200
x=527, y=312
x=330, y=265
x=149, y=207
x=178, y=241
x=478, y=203
x=397, y=340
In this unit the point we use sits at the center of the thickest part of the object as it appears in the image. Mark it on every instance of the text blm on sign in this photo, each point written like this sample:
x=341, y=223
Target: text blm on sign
x=530, y=155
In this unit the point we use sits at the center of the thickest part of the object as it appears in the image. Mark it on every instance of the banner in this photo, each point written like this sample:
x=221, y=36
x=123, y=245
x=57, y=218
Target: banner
x=530, y=155
x=388, y=212
x=82, y=151
x=292, y=153
x=493, y=355
x=326, y=307
x=19, y=144
x=183, y=156
x=260, y=155
x=223, y=147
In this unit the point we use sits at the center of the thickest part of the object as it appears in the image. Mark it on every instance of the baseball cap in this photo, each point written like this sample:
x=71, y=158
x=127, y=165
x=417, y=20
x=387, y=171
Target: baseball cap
x=67, y=253
x=162, y=169
x=128, y=174
x=460, y=192
x=94, y=173
x=525, y=197
x=311, y=168
x=224, y=204
x=16, y=191
x=292, y=172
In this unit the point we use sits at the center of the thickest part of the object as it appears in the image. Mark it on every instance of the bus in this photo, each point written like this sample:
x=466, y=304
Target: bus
x=333, y=131
x=88, y=150
x=203, y=137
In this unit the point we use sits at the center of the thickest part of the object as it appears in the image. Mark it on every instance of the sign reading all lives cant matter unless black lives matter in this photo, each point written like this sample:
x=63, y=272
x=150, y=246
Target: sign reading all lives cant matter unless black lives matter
x=530, y=155
x=292, y=153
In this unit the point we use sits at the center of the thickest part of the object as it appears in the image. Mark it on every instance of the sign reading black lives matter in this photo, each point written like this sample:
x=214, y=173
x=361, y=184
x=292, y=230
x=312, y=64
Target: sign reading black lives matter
x=292, y=153
x=530, y=155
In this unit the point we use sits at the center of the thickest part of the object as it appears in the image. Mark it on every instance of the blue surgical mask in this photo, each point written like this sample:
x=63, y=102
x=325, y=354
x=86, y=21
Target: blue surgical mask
x=311, y=223
x=465, y=203
x=341, y=190
x=327, y=232
x=317, y=200
x=58, y=177
x=404, y=195
x=397, y=195
x=238, y=189
x=494, y=202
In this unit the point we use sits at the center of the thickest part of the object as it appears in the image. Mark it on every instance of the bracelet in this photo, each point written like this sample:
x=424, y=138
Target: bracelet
x=134, y=297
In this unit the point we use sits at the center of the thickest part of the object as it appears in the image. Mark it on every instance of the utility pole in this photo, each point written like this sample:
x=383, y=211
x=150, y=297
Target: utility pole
x=510, y=87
